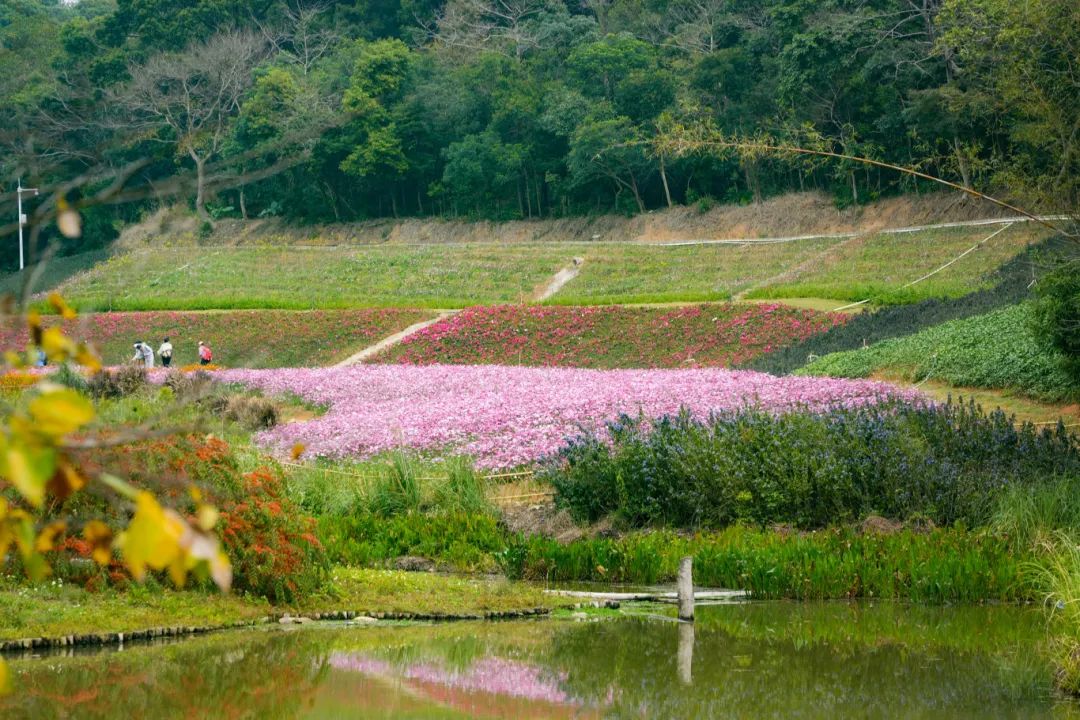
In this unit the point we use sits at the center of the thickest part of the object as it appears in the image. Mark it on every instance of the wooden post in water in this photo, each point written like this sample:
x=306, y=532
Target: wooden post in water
x=686, y=589
x=685, y=658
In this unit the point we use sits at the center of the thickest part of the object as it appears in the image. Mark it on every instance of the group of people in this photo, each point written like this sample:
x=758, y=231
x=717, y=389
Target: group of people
x=145, y=354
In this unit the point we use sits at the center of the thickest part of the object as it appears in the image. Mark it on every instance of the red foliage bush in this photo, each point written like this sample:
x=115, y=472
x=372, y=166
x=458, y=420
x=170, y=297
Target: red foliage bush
x=272, y=545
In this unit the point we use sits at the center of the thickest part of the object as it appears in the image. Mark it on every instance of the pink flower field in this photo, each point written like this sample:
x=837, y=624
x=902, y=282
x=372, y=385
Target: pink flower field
x=509, y=416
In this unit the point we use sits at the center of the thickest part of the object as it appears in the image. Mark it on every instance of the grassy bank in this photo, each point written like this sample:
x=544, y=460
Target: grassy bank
x=878, y=266
x=1011, y=285
x=995, y=350
x=291, y=277
x=56, y=609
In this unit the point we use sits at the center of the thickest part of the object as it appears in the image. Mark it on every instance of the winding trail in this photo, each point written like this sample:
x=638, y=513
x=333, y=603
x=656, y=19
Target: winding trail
x=391, y=340
x=556, y=283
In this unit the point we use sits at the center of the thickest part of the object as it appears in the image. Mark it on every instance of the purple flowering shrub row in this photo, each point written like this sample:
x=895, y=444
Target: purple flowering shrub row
x=941, y=463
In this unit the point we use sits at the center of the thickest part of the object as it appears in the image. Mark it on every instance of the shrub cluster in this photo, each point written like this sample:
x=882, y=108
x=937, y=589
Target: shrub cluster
x=946, y=463
x=124, y=381
x=273, y=547
x=1012, y=286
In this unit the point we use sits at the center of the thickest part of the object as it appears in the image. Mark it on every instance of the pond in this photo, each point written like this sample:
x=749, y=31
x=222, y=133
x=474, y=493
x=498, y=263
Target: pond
x=783, y=660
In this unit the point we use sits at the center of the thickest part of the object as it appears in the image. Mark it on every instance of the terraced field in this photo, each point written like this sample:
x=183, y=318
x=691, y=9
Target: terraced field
x=453, y=276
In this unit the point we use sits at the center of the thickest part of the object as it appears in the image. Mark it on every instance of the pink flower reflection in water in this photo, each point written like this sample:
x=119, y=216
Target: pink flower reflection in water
x=496, y=676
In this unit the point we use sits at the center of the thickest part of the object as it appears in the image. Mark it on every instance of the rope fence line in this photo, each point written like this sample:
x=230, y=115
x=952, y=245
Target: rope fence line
x=932, y=273
x=427, y=478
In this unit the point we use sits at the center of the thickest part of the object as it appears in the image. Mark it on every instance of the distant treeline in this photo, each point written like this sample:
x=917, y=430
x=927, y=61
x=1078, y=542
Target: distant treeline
x=324, y=110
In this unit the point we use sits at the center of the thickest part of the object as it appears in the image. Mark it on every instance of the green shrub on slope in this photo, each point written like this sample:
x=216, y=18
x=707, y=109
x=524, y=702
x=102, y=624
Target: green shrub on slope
x=996, y=350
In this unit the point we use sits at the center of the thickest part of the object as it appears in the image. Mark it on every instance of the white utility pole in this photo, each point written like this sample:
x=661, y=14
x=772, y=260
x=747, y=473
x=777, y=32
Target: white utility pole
x=22, y=218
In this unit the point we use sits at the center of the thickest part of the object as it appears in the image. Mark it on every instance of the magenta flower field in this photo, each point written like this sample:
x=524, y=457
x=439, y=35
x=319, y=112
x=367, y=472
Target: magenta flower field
x=510, y=416
x=711, y=335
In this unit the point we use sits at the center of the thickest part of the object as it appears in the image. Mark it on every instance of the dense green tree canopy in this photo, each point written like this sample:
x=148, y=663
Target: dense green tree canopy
x=351, y=109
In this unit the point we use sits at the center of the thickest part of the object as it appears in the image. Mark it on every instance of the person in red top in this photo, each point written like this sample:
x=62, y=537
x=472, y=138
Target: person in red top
x=206, y=356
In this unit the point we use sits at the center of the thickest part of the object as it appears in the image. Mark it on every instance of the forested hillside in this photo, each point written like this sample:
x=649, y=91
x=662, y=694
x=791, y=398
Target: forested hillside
x=334, y=111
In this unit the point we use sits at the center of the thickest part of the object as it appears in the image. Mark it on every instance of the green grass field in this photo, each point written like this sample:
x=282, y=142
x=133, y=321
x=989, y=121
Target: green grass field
x=54, y=272
x=307, y=278
x=452, y=276
x=879, y=266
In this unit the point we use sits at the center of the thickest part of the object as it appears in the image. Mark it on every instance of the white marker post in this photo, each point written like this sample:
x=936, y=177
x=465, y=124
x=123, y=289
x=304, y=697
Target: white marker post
x=686, y=589
x=22, y=218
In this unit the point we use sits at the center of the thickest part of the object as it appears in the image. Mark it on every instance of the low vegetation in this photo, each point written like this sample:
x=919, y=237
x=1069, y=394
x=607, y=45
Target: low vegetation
x=611, y=336
x=243, y=338
x=950, y=565
x=1011, y=285
x=433, y=276
x=941, y=464
x=878, y=267
x=995, y=350
x=297, y=278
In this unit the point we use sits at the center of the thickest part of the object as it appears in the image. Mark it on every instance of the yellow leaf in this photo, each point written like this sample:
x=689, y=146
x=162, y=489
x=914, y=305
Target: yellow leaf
x=5, y=678
x=46, y=539
x=152, y=539
x=208, y=517
x=297, y=450
x=56, y=344
x=69, y=222
x=100, y=536
x=56, y=300
x=33, y=323
x=87, y=358
x=59, y=412
x=28, y=470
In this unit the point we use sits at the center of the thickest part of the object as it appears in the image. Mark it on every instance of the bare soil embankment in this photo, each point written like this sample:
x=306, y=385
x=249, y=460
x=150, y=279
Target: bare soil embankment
x=789, y=215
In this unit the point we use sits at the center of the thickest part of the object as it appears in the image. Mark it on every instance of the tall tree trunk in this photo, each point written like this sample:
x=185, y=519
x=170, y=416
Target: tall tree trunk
x=637, y=195
x=393, y=202
x=200, y=185
x=854, y=188
x=750, y=171
x=419, y=203
x=528, y=194
x=663, y=178
x=539, y=202
x=243, y=205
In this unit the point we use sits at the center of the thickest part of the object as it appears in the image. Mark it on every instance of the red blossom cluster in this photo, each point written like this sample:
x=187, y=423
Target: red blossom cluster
x=713, y=335
x=272, y=546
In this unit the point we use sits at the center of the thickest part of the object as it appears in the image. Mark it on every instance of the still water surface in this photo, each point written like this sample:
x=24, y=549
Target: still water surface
x=755, y=660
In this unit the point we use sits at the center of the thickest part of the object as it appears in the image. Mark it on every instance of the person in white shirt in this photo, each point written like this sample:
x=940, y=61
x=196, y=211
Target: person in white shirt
x=145, y=354
x=165, y=351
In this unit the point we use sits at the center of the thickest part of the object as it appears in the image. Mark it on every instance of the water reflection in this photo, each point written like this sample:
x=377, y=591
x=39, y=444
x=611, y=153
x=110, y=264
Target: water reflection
x=755, y=660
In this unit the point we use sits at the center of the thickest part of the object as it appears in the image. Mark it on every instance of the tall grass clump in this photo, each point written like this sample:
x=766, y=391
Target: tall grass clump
x=396, y=491
x=946, y=463
x=944, y=565
x=1057, y=572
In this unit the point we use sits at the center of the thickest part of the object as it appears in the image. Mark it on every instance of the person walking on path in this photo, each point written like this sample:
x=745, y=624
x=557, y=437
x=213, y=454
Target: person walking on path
x=206, y=356
x=165, y=351
x=144, y=354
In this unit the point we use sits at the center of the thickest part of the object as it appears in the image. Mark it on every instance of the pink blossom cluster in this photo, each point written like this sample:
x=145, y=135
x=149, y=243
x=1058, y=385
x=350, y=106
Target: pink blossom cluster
x=509, y=416
x=496, y=676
